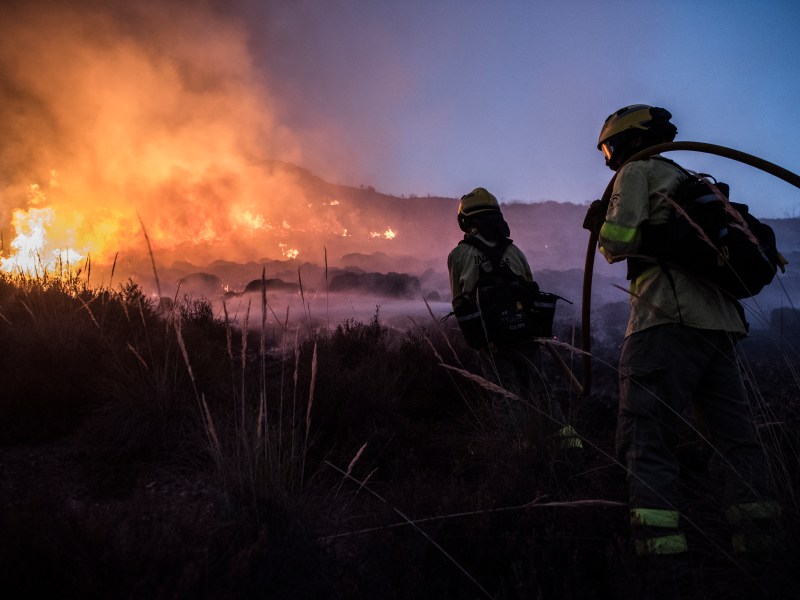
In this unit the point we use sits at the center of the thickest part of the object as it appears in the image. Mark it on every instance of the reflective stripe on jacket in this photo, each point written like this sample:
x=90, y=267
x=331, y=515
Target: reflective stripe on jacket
x=639, y=196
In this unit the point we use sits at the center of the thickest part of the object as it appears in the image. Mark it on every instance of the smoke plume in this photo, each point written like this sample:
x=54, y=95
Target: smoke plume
x=116, y=110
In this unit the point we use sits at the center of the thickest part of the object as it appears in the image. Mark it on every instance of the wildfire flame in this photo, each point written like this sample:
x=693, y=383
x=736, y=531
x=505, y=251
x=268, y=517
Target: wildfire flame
x=152, y=115
x=288, y=252
x=32, y=251
x=387, y=235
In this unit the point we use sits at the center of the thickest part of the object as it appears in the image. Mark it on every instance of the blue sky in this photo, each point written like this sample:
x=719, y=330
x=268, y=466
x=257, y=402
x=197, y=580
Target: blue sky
x=439, y=97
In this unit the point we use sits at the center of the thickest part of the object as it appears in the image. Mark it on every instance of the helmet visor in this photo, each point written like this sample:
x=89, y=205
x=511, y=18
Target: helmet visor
x=607, y=148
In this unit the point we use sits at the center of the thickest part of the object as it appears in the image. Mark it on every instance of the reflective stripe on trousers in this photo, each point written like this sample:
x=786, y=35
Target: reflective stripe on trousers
x=655, y=532
x=756, y=527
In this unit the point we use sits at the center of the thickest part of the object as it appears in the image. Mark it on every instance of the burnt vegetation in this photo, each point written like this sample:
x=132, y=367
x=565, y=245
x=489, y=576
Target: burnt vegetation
x=159, y=451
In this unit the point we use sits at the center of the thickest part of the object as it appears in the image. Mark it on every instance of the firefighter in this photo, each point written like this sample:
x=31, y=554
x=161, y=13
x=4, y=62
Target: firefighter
x=678, y=352
x=515, y=367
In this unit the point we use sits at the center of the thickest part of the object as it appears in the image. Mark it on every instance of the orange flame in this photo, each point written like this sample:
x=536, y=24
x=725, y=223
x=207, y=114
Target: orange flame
x=387, y=235
x=152, y=111
x=33, y=251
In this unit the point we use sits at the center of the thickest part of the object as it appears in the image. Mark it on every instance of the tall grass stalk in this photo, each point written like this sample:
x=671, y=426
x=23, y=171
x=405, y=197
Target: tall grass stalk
x=306, y=307
x=91, y=314
x=292, y=460
x=138, y=356
x=106, y=298
x=351, y=465
x=355, y=458
x=263, y=421
x=327, y=293
x=282, y=386
x=565, y=369
x=536, y=503
x=243, y=357
x=438, y=324
x=150, y=252
x=113, y=270
x=208, y=421
x=308, y=411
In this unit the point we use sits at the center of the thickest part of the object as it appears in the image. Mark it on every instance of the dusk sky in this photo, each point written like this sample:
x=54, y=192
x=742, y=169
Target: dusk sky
x=437, y=97
x=166, y=112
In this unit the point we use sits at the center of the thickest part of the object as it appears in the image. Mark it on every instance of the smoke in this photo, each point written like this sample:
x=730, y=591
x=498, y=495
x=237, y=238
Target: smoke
x=115, y=110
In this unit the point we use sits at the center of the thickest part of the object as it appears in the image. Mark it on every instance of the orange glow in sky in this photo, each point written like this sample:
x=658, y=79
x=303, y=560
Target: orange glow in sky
x=142, y=111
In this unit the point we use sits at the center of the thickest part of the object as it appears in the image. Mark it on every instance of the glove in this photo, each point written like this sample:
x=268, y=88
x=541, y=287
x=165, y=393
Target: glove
x=595, y=216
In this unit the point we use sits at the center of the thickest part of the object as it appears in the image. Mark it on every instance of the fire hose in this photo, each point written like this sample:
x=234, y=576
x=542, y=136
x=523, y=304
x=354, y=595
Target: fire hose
x=736, y=155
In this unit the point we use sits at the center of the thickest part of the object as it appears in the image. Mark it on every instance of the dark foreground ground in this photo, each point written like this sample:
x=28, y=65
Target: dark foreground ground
x=153, y=457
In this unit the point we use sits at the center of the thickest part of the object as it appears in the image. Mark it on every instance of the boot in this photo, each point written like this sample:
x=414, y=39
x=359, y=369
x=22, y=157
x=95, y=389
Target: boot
x=667, y=577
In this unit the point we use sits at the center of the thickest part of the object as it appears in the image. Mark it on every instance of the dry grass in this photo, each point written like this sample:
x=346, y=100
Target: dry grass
x=244, y=433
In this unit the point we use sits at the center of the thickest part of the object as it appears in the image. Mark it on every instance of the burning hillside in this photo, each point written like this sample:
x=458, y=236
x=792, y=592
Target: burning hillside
x=114, y=112
x=123, y=115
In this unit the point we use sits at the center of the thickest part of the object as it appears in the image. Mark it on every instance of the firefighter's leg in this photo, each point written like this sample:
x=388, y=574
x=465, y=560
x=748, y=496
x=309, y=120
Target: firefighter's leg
x=502, y=369
x=656, y=377
x=540, y=398
x=548, y=422
x=750, y=509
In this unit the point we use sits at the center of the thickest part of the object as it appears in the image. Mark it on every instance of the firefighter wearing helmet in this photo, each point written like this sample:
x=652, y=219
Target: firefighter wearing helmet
x=678, y=353
x=512, y=366
x=631, y=129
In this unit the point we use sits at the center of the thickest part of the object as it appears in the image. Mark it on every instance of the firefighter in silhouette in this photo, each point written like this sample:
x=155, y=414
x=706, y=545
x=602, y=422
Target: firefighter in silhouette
x=678, y=353
x=486, y=252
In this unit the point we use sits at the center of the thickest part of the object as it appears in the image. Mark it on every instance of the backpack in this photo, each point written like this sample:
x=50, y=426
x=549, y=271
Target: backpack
x=506, y=308
x=714, y=238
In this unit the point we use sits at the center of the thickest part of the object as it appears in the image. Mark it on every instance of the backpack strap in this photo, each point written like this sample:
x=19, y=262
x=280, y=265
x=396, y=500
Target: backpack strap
x=493, y=253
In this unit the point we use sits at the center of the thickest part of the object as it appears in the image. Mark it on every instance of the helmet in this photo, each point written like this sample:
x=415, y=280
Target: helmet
x=477, y=201
x=649, y=124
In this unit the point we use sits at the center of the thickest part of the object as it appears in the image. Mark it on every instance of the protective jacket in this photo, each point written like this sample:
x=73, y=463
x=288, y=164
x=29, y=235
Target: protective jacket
x=464, y=262
x=658, y=295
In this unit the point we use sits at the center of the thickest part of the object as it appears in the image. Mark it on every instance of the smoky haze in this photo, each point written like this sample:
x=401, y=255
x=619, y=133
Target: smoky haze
x=112, y=112
x=115, y=112
x=113, y=109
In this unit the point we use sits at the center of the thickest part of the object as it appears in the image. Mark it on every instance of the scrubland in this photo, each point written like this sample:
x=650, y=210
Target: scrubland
x=156, y=451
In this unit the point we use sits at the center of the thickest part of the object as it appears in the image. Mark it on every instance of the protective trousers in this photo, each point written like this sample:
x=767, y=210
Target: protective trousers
x=663, y=371
x=517, y=369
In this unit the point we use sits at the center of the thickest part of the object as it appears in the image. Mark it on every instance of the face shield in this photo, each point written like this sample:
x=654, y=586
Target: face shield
x=607, y=148
x=617, y=148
